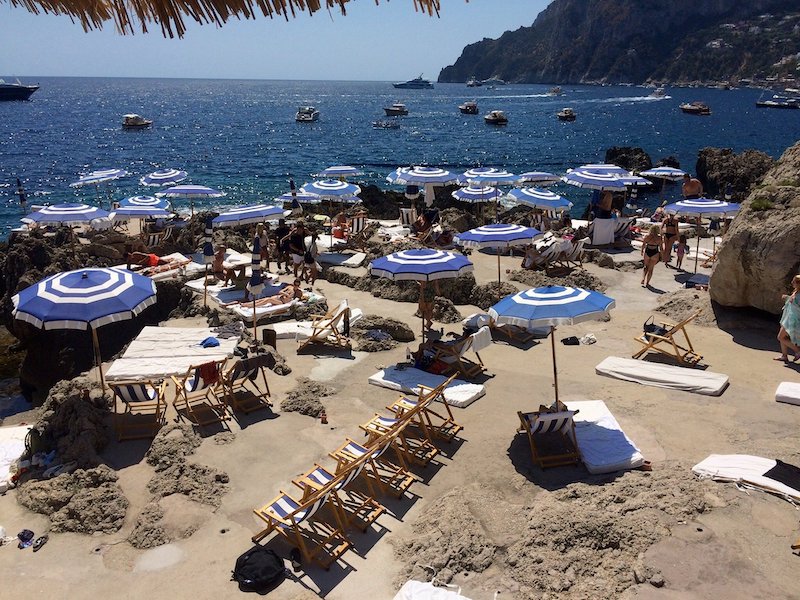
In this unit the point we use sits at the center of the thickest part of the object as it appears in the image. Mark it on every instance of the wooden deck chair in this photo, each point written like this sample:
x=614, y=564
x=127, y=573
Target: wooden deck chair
x=144, y=409
x=453, y=354
x=389, y=476
x=352, y=503
x=199, y=394
x=622, y=228
x=572, y=257
x=153, y=239
x=332, y=328
x=318, y=540
x=551, y=437
x=409, y=448
x=408, y=216
x=357, y=232
x=435, y=423
x=241, y=391
x=671, y=340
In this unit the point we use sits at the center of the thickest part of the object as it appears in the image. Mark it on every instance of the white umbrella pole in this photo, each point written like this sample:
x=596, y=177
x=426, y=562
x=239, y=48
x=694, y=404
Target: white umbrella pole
x=498, y=273
x=205, y=288
x=697, y=250
x=98, y=358
x=255, y=320
x=555, y=369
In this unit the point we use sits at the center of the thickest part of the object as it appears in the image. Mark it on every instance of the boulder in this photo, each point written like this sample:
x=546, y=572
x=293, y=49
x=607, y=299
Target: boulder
x=718, y=168
x=630, y=158
x=398, y=330
x=760, y=253
x=305, y=398
x=200, y=483
x=455, y=219
x=444, y=311
x=486, y=294
x=173, y=443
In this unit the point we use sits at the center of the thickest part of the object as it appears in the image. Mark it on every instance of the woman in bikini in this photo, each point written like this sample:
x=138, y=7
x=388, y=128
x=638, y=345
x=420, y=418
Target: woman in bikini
x=652, y=247
x=284, y=296
x=669, y=229
x=789, y=334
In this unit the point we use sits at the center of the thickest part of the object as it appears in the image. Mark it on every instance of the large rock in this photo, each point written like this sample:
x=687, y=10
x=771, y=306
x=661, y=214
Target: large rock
x=761, y=251
x=718, y=168
x=627, y=157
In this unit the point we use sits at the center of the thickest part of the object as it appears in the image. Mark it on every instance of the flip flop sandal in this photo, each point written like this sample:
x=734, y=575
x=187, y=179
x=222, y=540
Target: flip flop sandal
x=294, y=556
x=40, y=541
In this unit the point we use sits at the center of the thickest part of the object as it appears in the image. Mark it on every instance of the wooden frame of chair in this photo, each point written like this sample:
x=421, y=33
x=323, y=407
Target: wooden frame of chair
x=352, y=504
x=197, y=401
x=388, y=476
x=240, y=389
x=667, y=344
x=147, y=399
x=356, y=228
x=559, y=423
x=571, y=258
x=285, y=515
x=325, y=328
x=446, y=427
x=453, y=355
x=409, y=448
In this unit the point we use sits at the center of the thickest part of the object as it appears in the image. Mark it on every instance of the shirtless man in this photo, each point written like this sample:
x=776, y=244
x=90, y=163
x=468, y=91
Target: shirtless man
x=692, y=188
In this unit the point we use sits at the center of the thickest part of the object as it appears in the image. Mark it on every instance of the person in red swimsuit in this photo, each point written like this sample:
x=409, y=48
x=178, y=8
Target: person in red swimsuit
x=143, y=259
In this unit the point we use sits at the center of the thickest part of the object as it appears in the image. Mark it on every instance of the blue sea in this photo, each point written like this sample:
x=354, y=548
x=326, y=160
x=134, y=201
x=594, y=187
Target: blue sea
x=240, y=135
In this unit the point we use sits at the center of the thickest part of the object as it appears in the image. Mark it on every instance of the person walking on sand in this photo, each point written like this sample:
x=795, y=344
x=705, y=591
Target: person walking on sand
x=297, y=247
x=789, y=334
x=669, y=229
x=427, y=295
x=692, y=188
x=652, y=247
x=681, y=249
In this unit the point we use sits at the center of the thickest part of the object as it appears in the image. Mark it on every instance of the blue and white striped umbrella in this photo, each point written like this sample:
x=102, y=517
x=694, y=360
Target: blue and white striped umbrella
x=332, y=189
x=538, y=177
x=497, y=235
x=420, y=264
x=702, y=207
x=164, y=177
x=669, y=173
x=339, y=172
x=245, y=215
x=594, y=180
x=487, y=176
x=208, y=246
x=299, y=196
x=542, y=199
x=124, y=213
x=100, y=176
x=68, y=214
x=144, y=202
x=476, y=194
x=604, y=168
x=190, y=191
x=421, y=176
x=84, y=298
x=551, y=306
x=634, y=181
x=256, y=284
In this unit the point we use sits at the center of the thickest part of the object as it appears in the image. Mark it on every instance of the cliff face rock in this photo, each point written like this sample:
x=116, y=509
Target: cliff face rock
x=761, y=251
x=718, y=168
x=613, y=41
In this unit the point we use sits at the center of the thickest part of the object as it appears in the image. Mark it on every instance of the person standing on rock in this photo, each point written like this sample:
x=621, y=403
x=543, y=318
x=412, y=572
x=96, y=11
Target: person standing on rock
x=789, y=334
x=692, y=188
x=652, y=248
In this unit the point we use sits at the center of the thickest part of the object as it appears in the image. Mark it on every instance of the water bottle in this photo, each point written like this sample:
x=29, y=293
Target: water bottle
x=409, y=358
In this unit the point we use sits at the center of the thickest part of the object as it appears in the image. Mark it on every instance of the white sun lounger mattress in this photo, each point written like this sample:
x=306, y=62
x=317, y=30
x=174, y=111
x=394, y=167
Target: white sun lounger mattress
x=301, y=330
x=664, y=376
x=342, y=259
x=12, y=445
x=418, y=590
x=752, y=471
x=603, y=445
x=163, y=351
x=459, y=393
x=788, y=392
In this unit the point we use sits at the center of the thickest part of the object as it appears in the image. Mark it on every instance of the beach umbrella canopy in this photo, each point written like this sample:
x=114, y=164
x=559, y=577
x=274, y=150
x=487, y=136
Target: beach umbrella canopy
x=538, y=198
x=702, y=207
x=338, y=172
x=333, y=190
x=668, y=173
x=144, y=202
x=124, y=213
x=299, y=196
x=476, y=194
x=631, y=180
x=101, y=176
x=245, y=215
x=421, y=176
x=538, y=177
x=164, y=177
x=604, y=168
x=420, y=264
x=594, y=180
x=190, y=191
x=551, y=306
x=68, y=214
x=487, y=176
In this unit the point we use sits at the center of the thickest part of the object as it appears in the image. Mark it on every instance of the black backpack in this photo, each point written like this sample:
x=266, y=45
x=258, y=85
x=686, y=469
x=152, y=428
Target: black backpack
x=259, y=570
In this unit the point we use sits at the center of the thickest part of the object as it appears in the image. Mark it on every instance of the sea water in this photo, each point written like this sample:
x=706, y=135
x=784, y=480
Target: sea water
x=240, y=136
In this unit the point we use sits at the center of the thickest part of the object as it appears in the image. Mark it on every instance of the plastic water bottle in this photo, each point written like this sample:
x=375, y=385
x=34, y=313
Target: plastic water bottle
x=409, y=359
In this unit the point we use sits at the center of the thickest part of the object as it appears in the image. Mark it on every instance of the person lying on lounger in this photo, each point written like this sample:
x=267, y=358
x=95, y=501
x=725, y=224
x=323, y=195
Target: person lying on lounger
x=143, y=259
x=286, y=295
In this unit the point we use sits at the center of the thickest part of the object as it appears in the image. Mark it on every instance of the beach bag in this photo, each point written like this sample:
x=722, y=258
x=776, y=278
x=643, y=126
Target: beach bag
x=650, y=328
x=258, y=570
x=570, y=341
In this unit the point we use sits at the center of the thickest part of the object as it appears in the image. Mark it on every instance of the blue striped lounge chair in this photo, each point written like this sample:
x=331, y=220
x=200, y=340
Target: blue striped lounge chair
x=241, y=385
x=409, y=448
x=387, y=475
x=144, y=407
x=551, y=437
x=453, y=354
x=299, y=522
x=332, y=328
x=199, y=393
x=432, y=422
x=353, y=504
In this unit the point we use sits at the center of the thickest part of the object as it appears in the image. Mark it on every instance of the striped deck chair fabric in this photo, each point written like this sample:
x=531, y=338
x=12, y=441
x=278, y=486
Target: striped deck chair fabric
x=199, y=394
x=388, y=475
x=453, y=354
x=408, y=216
x=242, y=393
x=331, y=329
x=551, y=437
x=409, y=448
x=444, y=426
x=319, y=541
x=144, y=408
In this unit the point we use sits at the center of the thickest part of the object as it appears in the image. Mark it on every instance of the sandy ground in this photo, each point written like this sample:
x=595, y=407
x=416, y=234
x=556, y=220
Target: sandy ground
x=739, y=547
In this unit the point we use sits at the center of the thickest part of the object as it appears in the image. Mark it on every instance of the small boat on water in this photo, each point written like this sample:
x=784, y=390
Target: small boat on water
x=566, y=114
x=695, y=108
x=398, y=109
x=134, y=121
x=306, y=114
x=418, y=83
x=788, y=103
x=555, y=91
x=386, y=124
x=659, y=92
x=496, y=117
x=16, y=91
x=493, y=80
x=472, y=82
x=469, y=107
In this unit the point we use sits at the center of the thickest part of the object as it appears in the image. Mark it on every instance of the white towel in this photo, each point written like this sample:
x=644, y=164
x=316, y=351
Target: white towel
x=481, y=339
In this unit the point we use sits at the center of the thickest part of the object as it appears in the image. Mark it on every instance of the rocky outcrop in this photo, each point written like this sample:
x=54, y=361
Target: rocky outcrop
x=374, y=333
x=720, y=169
x=761, y=251
x=305, y=398
x=627, y=157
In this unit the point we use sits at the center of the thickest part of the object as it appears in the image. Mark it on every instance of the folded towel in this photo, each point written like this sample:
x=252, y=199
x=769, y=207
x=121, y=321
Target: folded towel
x=209, y=373
x=481, y=339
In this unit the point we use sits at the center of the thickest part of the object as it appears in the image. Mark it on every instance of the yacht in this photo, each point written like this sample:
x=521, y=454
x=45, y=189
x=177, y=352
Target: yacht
x=496, y=117
x=418, y=83
x=306, y=114
x=782, y=103
x=494, y=80
x=134, y=121
x=472, y=82
x=695, y=108
x=469, y=107
x=16, y=91
x=659, y=92
x=566, y=114
x=555, y=91
x=398, y=109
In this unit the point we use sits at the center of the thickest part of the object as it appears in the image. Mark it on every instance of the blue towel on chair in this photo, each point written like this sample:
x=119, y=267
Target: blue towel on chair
x=210, y=342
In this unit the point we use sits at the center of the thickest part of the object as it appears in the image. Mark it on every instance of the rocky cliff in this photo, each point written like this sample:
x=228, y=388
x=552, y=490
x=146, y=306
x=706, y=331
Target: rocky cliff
x=761, y=251
x=613, y=41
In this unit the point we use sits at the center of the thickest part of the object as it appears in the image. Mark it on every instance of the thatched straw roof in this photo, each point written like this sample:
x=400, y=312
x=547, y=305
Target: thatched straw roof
x=128, y=15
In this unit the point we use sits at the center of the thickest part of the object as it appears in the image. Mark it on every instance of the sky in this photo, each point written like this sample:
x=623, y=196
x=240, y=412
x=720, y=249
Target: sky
x=387, y=42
